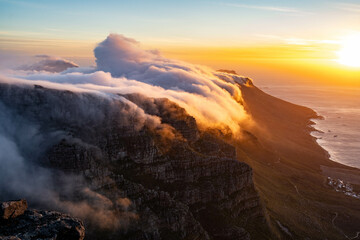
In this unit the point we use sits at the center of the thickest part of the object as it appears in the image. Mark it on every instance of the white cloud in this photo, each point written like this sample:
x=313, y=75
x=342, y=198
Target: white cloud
x=350, y=7
x=269, y=8
x=49, y=64
x=32, y=120
x=124, y=67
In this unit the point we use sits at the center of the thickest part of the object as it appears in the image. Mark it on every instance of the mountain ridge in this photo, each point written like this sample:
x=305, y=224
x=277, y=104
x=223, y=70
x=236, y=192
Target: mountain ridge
x=201, y=186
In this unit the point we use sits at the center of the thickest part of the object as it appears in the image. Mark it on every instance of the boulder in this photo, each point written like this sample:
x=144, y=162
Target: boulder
x=12, y=209
x=19, y=223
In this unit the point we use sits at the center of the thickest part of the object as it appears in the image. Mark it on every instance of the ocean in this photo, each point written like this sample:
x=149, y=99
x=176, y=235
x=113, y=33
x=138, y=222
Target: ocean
x=340, y=107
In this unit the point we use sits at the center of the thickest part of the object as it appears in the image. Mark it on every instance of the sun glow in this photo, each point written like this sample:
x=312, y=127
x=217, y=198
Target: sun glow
x=349, y=53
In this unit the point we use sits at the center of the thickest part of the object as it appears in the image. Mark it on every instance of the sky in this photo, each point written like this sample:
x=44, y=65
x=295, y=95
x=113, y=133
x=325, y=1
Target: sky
x=258, y=38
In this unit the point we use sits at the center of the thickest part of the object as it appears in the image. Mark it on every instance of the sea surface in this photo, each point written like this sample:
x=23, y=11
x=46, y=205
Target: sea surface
x=340, y=107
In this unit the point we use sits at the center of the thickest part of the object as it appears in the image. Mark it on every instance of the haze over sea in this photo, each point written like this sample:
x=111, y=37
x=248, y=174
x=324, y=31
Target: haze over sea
x=340, y=107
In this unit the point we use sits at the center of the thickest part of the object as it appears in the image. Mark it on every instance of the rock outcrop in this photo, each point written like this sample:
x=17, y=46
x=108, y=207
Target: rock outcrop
x=193, y=188
x=34, y=224
x=12, y=209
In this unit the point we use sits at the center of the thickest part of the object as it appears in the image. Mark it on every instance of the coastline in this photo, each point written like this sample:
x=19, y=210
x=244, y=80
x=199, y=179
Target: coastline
x=343, y=172
x=317, y=138
x=337, y=131
x=313, y=130
x=291, y=171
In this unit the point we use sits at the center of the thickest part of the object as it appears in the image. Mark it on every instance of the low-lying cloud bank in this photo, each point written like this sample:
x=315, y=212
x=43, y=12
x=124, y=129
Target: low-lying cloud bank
x=124, y=67
x=92, y=96
x=49, y=64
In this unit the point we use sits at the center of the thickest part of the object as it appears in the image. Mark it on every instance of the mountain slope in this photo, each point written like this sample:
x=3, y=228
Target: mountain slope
x=288, y=172
x=137, y=183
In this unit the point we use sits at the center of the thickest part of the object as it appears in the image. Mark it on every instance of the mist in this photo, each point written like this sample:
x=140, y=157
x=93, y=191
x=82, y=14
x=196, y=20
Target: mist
x=124, y=67
x=49, y=64
x=54, y=100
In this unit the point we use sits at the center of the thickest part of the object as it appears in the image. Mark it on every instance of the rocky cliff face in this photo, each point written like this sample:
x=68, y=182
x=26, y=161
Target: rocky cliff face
x=185, y=186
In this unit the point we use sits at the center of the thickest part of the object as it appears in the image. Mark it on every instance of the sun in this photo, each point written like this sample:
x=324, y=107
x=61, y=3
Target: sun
x=349, y=54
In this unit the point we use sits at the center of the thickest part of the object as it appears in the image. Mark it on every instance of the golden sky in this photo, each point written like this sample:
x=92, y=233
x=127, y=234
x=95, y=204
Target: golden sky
x=294, y=41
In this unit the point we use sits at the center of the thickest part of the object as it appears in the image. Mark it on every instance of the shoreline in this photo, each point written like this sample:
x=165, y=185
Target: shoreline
x=343, y=172
x=291, y=171
x=313, y=129
x=315, y=122
x=338, y=132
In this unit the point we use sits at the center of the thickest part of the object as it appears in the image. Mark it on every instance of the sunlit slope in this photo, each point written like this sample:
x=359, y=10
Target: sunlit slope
x=287, y=171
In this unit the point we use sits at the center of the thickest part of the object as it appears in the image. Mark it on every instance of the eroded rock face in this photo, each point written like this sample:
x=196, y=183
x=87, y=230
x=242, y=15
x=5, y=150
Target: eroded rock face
x=189, y=186
x=169, y=112
x=192, y=189
x=34, y=224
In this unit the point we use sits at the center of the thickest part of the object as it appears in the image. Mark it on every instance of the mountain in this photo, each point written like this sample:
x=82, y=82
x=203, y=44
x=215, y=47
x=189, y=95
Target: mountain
x=194, y=185
x=146, y=184
x=144, y=147
x=292, y=172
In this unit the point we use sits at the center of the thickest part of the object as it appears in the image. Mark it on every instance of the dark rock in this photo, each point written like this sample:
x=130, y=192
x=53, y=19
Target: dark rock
x=9, y=238
x=12, y=209
x=194, y=188
x=173, y=192
x=227, y=71
x=169, y=112
x=214, y=146
x=35, y=224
